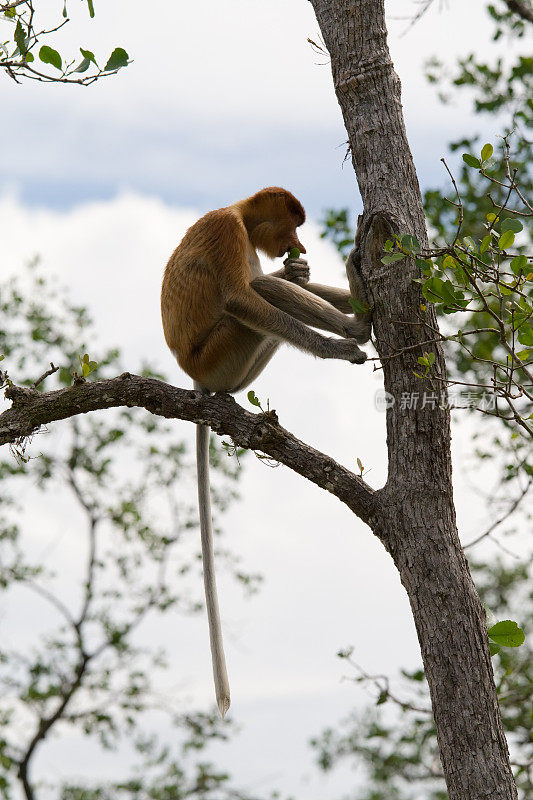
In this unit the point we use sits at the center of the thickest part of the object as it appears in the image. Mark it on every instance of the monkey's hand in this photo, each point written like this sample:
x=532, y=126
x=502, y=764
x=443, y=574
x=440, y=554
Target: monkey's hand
x=295, y=270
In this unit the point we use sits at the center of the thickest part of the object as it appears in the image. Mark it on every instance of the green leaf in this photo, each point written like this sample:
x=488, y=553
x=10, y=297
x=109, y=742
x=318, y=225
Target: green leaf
x=505, y=289
x=518, y=264
x=20, y=38
x=492, y=217
x=484, y=246
x=383, y=697
x=392, y=258
x=472, y=161
x=410, y=243
x=494, y=648
x=91, y=8
x=50, y=56
x=507, y=634
x=506, y=240
x=388, y=246
x=294, y=252
x=427, y=360
x=432, y=289
x=524, y=355
x=486, y=152
x=358, y=307
x=84, y=66
x=424, y=265
x=89, y=55
x=449, y=262
x=512, y=224
x=118, y=58
x=253, y=399
x=525, y=336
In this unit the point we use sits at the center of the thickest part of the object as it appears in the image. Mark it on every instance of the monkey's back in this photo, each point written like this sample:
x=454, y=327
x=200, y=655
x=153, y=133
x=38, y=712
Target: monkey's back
x=208, y=264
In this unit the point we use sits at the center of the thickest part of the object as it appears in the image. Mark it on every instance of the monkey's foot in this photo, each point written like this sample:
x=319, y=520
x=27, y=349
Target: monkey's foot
x=359, y=329
x=347, y=350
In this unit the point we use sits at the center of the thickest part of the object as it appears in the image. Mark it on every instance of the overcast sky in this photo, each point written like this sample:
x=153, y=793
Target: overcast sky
x=223, y=98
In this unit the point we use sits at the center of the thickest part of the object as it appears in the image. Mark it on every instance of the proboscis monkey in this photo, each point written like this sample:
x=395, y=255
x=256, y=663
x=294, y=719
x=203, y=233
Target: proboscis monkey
x=224, y=319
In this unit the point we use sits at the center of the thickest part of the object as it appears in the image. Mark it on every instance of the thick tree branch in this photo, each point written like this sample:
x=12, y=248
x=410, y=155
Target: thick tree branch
x=32, y=409
x=523, y=9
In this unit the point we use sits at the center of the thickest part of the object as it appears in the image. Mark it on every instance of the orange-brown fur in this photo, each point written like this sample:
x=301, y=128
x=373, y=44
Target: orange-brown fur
x=216, y=322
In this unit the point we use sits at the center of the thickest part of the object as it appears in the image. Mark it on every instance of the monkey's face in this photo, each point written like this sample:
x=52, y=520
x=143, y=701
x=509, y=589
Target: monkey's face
x=276, y=237
x=287, y=239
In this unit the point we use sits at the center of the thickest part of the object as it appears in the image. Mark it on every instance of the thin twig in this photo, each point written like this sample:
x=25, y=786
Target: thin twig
x=514, y=505
x=45, y=375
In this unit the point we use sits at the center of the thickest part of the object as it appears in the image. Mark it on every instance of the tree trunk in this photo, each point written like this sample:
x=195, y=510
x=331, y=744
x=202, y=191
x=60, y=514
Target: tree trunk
x=415, y=516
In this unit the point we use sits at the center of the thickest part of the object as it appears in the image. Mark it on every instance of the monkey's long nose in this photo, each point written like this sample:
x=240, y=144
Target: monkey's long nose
x=300, y=246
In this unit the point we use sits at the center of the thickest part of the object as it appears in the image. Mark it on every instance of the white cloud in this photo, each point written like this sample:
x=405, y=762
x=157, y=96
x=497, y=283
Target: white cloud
x=221, y=98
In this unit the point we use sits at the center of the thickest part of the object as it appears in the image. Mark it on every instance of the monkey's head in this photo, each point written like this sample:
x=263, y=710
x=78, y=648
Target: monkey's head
x=271, y=217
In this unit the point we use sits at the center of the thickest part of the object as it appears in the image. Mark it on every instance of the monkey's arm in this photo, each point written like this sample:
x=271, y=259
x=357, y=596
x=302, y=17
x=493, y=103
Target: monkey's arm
x=298, y=272
x=306, y=307
x=339, y=298
x=253, y=309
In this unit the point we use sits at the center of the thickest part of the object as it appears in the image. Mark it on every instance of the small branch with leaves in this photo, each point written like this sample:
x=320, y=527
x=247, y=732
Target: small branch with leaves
x=24, y=55
x=490, y=282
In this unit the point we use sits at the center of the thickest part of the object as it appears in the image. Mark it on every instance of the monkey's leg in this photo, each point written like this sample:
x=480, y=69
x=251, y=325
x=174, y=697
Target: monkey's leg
x=306, y=306
x=226, y=356
x=264, y=356
x=339, y=298
x=249, y=307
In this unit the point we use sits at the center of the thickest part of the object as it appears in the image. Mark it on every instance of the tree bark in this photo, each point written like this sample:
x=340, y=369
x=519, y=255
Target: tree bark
x=416, y=519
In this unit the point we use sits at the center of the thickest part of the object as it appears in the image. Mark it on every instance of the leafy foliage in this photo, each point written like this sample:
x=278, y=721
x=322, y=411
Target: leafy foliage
x=23, y=55
x=487, y=285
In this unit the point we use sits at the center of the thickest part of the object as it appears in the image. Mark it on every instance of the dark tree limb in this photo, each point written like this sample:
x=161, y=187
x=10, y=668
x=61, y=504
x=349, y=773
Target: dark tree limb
x=523, y=9
x=32, y=409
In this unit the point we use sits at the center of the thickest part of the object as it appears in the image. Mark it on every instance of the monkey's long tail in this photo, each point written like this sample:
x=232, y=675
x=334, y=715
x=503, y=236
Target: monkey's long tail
x=208, y=559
